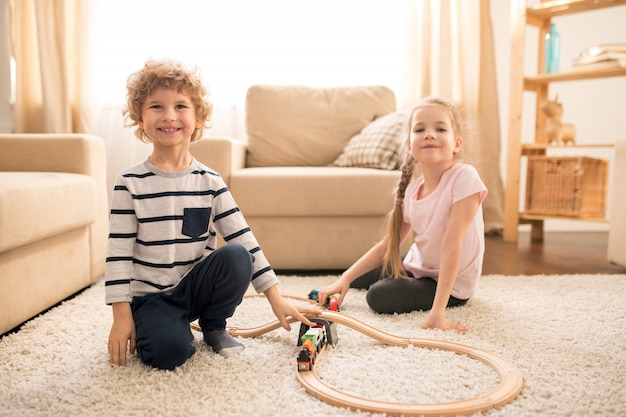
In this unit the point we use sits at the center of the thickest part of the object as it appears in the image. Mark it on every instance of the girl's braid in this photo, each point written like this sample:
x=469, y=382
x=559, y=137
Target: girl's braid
x=407, y=167
x=392, y=264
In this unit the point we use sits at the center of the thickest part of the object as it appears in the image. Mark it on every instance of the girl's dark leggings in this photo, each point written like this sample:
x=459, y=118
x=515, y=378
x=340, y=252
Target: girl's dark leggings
x=403, y=295
x=210, y=292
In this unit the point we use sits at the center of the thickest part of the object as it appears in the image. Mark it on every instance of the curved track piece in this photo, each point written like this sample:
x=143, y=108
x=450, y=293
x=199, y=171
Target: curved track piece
x=511, y=378
x=510, y=385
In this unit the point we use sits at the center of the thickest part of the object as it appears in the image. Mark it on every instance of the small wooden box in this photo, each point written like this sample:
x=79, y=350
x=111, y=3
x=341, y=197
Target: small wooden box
x=566, y=186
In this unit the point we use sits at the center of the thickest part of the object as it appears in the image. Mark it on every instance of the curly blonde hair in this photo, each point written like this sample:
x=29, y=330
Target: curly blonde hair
x=165, y=73
x=392, y=263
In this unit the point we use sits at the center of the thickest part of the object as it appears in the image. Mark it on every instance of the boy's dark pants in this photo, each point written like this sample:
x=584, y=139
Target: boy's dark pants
x=210, y=292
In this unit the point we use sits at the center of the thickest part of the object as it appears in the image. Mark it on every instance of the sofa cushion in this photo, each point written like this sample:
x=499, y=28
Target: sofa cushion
x=306, y=126
x=379, y=145
x=37, y=205
x=313, y=191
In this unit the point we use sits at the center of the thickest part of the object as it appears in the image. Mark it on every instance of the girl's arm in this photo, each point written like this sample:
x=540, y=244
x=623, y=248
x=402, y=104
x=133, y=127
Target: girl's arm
x=461, y=215
x=372, y=259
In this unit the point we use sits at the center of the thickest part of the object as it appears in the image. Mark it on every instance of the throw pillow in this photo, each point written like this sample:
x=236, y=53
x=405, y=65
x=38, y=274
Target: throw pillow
x=377, y=145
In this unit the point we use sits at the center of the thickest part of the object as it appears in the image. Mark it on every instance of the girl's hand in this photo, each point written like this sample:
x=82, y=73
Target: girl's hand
x=438, y=321
x=340, y=287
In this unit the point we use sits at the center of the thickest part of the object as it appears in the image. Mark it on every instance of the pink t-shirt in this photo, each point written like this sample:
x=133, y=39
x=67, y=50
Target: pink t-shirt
x=428, y=218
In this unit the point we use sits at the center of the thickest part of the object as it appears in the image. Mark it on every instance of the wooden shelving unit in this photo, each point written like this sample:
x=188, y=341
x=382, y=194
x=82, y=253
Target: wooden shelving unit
x=540, y=16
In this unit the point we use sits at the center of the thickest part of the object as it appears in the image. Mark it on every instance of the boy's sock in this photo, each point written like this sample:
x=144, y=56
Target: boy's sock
x=222, y=342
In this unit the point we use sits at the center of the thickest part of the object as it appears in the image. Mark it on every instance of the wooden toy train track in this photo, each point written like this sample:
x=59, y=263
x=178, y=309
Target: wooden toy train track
x=511, y=378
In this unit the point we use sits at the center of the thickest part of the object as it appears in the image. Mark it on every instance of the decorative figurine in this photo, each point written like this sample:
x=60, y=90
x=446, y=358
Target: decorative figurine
x=557, y=132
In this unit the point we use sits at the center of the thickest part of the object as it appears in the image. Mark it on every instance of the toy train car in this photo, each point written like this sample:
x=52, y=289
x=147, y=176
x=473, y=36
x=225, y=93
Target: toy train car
x=332, y=301
x=313, y=340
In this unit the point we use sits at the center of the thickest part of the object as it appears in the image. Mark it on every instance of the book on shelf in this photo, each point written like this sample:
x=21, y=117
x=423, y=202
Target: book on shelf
x=604, y=48
x=611, y=63
x=601, y=56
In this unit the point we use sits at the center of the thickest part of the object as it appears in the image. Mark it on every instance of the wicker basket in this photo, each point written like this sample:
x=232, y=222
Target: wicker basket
x=566, y=186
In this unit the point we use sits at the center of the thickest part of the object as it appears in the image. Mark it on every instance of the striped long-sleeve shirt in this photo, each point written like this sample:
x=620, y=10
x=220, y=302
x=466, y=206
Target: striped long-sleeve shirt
x=163, y=223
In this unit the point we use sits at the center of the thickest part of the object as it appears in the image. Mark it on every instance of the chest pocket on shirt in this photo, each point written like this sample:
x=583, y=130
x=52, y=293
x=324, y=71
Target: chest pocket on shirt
x=196, y=221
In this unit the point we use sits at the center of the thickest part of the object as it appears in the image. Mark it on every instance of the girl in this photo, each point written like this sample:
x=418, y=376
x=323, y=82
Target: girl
x=163, y=269
x=443, y=207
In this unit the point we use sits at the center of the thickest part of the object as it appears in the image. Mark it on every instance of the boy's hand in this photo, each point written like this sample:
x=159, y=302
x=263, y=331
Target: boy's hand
x=122, y=332
x=283, y=310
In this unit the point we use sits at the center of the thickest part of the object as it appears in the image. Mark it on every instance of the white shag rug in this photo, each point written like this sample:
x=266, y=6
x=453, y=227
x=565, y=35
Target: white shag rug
x=567, y=335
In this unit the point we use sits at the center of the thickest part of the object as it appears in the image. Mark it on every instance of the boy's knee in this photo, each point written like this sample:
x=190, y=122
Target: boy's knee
x=238, y=259
x=167, y=354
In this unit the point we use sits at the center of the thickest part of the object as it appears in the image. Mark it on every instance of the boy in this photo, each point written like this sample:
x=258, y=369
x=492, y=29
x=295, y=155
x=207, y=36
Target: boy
x=163, y=269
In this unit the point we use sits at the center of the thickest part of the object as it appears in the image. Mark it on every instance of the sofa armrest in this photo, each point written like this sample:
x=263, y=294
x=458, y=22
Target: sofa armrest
x=75, y=153
x=65, y=152
x=223, y=154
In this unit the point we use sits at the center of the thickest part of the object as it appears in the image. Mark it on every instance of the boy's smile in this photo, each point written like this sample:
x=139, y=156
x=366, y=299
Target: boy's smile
x=169, y=129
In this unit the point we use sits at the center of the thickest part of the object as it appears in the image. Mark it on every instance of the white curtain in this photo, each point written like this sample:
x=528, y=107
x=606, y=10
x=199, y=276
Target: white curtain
x=444, y=48
x=416, y=47
x=450, y=53
x=50, y=44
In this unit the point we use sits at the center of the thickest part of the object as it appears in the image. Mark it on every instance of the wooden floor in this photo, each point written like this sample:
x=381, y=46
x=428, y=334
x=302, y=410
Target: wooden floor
x=559, y=253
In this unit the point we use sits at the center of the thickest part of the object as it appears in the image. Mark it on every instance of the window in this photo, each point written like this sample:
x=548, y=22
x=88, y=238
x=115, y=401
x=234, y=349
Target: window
x=237, y=43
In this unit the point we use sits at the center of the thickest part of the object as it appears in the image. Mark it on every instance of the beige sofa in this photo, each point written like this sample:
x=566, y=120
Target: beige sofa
x=617, y=229
x=315, y=176
x=53, y=220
